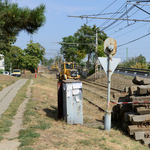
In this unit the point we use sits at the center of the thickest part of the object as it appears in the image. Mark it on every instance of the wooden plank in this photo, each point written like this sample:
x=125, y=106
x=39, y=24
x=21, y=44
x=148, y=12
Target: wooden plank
x=142, y=110
x=146, y=141
x=130, y=116
x=137, y=80
x=142, y=90
x=139, y=135
x=139, y=98
x=145, y=81
x=126, y=115
x=134, y=128
x=133, y=90
x=141, y=118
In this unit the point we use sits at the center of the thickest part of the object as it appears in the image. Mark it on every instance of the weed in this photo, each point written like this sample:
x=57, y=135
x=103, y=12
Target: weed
x=42, y=125
x=103, y=146
x=27, y=137
x=114, y=141
x=84, y=142
x=101, y=128
x=4, y=125
x=26, y=148
x=80, y=130
x=1, y=138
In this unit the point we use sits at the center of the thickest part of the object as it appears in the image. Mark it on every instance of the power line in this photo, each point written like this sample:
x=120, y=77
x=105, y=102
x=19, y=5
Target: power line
x=120, y=9
x=134, y=40
x=120, y=18
x=102, y=11
x=130, y=31
x=123, y=21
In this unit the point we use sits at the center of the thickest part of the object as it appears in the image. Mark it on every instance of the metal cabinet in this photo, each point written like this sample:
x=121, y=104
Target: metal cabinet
x=72, y=101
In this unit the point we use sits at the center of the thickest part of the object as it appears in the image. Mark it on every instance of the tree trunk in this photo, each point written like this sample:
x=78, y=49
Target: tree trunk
x=89, y=56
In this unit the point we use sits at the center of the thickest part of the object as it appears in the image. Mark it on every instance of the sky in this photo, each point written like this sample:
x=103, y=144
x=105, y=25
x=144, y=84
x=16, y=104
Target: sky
x=59, y=25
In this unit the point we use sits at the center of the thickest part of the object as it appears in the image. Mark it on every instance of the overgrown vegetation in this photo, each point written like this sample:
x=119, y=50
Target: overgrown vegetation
x=136, y=62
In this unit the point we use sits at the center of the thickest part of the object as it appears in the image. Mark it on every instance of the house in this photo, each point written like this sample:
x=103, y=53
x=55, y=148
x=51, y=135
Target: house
x=2, y=62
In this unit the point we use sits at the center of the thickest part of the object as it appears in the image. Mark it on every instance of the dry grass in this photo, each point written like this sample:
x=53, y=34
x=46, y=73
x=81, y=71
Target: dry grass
x=60, y=135
x=117, y=80
x=7, y=80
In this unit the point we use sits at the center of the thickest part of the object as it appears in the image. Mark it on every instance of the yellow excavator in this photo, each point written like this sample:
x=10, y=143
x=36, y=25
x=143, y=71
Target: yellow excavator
x=68, y=71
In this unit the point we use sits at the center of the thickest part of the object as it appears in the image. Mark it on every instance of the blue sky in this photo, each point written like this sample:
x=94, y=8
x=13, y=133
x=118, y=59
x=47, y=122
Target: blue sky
x=59, y=25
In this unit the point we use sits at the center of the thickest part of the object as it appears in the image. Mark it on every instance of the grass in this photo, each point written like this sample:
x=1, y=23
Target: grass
x=6, y=81
x=33, y=120
x=57, y=134
x=27, y=137
x=7, y=116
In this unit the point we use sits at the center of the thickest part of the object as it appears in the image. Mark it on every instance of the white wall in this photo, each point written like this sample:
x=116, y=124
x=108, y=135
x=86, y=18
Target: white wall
x=2, y=62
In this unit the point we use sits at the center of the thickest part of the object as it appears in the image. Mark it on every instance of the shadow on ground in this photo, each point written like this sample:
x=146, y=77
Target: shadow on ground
x=51, y=112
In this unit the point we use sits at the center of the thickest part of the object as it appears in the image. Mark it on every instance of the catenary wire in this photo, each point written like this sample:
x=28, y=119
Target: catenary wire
x=123, y=21
x=102, y=11
x=134, y=40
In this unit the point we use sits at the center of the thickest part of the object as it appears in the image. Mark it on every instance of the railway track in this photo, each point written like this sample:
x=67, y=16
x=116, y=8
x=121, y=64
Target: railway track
x=100, y=96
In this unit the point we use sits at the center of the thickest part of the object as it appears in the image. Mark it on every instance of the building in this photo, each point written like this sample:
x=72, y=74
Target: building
x=2, y=62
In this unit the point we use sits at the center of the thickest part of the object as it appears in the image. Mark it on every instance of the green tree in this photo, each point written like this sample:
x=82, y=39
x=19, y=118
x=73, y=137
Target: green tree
x=134, y=62
x=11, y=57
x=14, y=19
x=71, y=51
x=91, y=41
x=30, y=57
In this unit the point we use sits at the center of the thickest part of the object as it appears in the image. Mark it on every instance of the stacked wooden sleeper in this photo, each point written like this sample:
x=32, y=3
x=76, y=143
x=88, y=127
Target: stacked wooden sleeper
x=135, y=118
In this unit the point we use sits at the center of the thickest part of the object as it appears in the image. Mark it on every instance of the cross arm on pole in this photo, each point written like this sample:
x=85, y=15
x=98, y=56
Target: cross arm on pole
x=110, y=18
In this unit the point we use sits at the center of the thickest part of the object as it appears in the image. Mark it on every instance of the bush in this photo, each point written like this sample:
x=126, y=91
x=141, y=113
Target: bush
x=91, y=71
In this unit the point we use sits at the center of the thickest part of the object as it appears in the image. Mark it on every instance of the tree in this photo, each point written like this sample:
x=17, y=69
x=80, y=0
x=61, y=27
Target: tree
x=71, y=51
x=14, y=19
x=89, y=49
x=11, y=57
x=30, y=57
x=136, y=62
x=48, y=62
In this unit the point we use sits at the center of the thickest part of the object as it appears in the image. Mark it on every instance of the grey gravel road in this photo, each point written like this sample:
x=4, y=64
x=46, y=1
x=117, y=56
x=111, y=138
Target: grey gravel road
x=8, y=93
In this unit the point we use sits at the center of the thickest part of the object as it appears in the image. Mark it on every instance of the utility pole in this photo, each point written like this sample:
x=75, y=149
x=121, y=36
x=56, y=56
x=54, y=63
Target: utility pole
x=61, y=58
x=127, y=54
x=58, y=61
x=96, y=63
x=54, y=58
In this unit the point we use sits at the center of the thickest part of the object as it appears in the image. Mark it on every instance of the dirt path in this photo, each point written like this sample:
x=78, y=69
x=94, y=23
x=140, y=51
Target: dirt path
x=8, y=143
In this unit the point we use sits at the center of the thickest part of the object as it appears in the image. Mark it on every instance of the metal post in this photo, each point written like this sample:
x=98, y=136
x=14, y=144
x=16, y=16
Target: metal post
x=107, y=122
x=96, y=65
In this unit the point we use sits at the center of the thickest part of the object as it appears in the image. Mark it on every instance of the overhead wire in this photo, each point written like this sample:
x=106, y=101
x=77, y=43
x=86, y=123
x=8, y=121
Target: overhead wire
x=130, y=31
x=123, y=21
x=119, y=17
x=102, y=11
x=134, y=40
x=120, y=9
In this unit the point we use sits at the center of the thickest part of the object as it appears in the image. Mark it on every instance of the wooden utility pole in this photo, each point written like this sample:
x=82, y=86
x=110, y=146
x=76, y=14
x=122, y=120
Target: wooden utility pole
x=96, y=62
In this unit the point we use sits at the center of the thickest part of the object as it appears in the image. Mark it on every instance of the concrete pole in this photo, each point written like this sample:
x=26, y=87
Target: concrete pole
x=96, y=65
x=107, y=122
x=61, y=59
x=58, y=61
x=127, y=54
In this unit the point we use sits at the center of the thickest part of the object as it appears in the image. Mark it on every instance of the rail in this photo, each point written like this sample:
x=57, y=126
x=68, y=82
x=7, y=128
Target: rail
x=137, y=70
